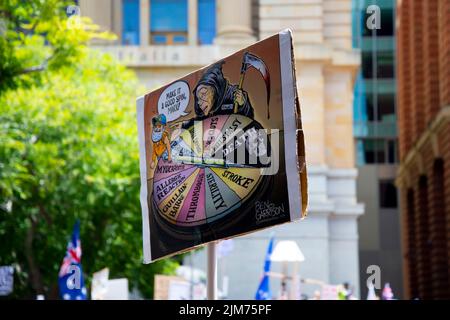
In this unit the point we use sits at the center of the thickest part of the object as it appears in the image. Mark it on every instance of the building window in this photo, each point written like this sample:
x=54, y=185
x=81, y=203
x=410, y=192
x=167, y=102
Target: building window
x=130, y=22
x=423, y=235
x=388, y=194
x=385, y=110
x=440, y=245
x=360, y=16
x=168, y=21
x=412, y=244
x=376, y=151
x=387, y=23
x=385, y=65
x=206, y=21
x=392, y=151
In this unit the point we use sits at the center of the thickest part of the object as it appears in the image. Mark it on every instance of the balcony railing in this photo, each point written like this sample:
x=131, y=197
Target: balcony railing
x=381, y=86
x=374, y=129
x=384, y=44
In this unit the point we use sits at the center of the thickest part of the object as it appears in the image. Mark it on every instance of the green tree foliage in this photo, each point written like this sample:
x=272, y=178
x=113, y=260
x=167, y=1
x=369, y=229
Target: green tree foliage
x=36, y=35
x=68, y=150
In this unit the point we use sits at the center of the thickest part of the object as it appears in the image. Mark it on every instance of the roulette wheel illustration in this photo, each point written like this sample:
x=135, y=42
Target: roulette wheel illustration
x=215, y=176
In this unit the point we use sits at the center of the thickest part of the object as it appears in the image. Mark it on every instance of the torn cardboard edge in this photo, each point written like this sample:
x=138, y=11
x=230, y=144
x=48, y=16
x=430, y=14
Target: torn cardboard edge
x=301, y=154
x=140, y=107
x=295, y=149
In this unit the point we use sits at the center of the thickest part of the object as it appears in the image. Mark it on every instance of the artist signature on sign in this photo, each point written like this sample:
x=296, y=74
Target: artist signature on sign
x=266, y=211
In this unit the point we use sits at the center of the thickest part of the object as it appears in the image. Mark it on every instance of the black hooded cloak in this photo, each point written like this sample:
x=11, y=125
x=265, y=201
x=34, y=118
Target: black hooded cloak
x=223, y=96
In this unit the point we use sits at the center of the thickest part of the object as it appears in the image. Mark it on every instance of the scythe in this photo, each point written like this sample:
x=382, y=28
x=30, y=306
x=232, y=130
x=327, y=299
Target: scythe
x=250, y=60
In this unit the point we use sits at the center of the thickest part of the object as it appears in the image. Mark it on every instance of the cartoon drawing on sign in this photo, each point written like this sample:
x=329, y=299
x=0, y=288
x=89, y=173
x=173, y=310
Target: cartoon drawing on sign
x=206, y=180
x=216, y=164
x=161, y=142
x=215, y=95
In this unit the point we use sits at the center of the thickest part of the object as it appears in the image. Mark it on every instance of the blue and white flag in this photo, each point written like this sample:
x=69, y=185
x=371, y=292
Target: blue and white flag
x=263, y=292
x=71, y=281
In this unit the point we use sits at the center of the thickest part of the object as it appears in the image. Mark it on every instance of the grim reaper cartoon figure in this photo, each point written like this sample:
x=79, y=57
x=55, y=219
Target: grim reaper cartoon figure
x=214, y=95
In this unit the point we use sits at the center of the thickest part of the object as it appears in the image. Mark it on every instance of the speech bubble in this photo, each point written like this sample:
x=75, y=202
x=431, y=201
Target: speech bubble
x=174, y=100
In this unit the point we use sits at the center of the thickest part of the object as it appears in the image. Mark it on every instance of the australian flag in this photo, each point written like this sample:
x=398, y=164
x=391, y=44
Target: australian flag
x=263, y=292
x=71, y=281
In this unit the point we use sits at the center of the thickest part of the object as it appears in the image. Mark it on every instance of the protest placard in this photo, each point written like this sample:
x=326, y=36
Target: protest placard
x=222, y=151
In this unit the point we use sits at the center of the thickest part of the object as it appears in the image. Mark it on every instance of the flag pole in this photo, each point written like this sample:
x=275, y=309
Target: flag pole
x=212, y=271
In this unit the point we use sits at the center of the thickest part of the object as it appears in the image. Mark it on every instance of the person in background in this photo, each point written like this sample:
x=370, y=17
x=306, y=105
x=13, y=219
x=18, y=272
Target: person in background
x=284, y=292
x=316, y=296
x=345, y=292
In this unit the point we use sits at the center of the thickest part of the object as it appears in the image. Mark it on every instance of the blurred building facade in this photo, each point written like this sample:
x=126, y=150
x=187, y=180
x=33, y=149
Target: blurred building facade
x=164, y=40
x=423, y=40
x=375, y=131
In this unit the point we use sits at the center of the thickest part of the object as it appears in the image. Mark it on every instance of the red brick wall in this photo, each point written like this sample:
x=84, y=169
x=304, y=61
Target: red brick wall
x=444, y=51
x=426, y=221
x=431, y=59
x=422, y=234
x=438, y=231
x=410, y=274
x=404, y=111
x=423, y=73
x=416, y=68
x=423, y=66
x=444, y=145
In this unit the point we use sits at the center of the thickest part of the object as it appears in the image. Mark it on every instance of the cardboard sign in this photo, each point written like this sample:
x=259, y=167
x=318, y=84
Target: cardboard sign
x=117, y=289
x=329, y=292
x=99, y=286
x=162, y=286
x=179, y=290
x=222, y=151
